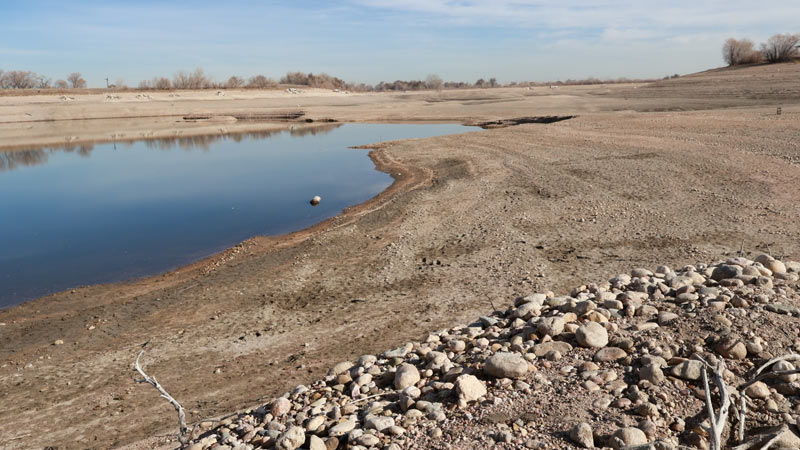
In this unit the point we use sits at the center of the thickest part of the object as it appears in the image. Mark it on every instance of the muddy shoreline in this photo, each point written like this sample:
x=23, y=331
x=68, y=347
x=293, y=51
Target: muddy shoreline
x=469, y=219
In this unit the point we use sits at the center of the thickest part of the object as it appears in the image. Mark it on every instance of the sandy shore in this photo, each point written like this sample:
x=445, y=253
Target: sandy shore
x=637, y=179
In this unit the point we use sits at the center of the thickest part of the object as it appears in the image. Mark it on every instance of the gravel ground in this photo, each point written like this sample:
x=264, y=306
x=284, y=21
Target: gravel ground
x=612, y=364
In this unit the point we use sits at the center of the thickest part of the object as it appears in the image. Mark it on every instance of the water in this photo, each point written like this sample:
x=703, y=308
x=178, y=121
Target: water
x=111, y=212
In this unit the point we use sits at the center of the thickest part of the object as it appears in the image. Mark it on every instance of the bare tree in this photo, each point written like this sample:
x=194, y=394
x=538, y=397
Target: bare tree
x=298, y=78
x=61, y=84
x=162, y=83
x=480, y=83
x=736, y=52
x=234, y=82
x=43, y=82
x=324, y=81
x=781, y=47
x=19, y=79
x=433, y=81
x=730, y=51
x=180, y=80
x=199, y=80
x=194, y=80
x=76, y=80
x=493, y=82
x=261, y=82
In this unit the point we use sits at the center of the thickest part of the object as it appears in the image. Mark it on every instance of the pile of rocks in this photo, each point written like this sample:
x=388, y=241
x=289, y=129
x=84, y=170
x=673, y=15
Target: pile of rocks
x=611, y=364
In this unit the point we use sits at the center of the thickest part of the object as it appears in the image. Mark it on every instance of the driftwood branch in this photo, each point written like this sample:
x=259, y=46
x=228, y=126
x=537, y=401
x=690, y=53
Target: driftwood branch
x=717, y=422
x=358, y=400
x=777, y=359
x=165, y=395
x=768, y=375
x=742, y=415
x=760, y=374
x=764, y=441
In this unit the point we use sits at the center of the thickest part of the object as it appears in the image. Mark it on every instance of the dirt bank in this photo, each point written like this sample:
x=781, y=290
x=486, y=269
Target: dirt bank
x=473, y=218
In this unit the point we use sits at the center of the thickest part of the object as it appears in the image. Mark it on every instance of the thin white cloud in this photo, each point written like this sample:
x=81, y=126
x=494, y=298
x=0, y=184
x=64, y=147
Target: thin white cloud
x=609, y=14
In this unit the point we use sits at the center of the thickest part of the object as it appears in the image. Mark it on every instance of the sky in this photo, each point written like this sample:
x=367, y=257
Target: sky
x=381, y=40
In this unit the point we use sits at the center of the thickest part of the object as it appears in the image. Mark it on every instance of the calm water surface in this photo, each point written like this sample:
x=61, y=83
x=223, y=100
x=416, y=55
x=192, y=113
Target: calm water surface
x=110, y=212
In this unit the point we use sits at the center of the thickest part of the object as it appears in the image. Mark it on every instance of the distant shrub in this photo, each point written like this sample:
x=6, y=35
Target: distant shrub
x=360, y=87
x=194, y=80
x=433, y=81
x=261, y=82
x=159, y=83
x=298, y=78
x=43, y=82
x=456, y=85
x=76, y=81
x=324, y=81
x=162, y=83
x=234, y=82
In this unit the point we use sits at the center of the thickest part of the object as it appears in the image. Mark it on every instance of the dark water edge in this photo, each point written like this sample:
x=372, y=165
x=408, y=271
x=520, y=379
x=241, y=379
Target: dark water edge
x=90, y=214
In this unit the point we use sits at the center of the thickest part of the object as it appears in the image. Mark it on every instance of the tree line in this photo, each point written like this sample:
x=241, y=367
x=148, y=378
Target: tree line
x=198, y=79
x=24, y=79
x=778, y=48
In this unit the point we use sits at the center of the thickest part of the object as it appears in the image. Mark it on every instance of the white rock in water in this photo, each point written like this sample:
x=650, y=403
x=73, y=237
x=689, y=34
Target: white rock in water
x=315, y=201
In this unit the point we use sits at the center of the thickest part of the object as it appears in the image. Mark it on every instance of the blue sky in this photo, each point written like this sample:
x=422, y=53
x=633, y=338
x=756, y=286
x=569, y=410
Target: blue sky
x=374, y=40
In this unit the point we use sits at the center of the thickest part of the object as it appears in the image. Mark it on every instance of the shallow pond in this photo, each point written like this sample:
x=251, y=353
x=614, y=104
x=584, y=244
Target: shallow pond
x=83, y=215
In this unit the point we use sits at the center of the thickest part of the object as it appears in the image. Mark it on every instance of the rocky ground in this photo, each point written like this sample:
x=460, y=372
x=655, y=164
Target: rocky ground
x=617, y=364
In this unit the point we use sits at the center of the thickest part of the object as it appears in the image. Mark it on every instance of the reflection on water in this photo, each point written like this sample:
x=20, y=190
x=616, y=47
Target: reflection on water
x=26, y=158
x=36, y=156
x=86, y=214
